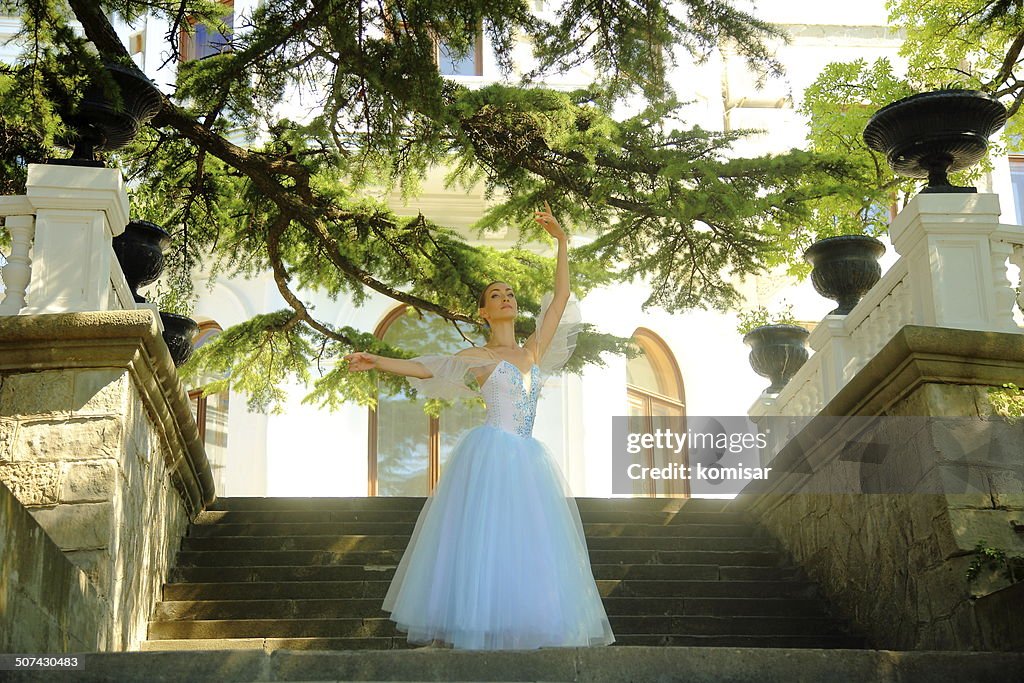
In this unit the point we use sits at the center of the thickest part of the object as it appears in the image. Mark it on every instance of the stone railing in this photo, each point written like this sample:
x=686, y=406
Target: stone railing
x=61, y=229
x=952, y=272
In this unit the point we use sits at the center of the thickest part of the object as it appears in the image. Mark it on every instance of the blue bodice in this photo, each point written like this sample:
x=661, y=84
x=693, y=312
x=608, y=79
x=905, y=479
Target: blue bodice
x=511, y=398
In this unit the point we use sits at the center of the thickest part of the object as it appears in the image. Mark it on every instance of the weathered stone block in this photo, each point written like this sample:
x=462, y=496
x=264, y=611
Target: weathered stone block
x=945, y=586
x=78, y=439
x=36, y=393
x=97, y=566
x=89, y=482
x=989, y=526
x=101, y=392
x=76, y=527
x=7, y=431
x=1010, y=501
x=34, y=625
x=32, y=483
x=950, y=400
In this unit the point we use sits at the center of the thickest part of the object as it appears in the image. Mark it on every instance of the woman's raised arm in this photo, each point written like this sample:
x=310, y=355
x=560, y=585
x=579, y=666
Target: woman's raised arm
x=541, y=338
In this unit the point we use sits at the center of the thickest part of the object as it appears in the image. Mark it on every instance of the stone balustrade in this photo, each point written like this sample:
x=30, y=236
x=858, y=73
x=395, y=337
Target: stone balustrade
x=953, y=272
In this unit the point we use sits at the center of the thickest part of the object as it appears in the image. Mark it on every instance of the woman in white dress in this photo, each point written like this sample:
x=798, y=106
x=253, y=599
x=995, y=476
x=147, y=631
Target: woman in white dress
x=498, y=559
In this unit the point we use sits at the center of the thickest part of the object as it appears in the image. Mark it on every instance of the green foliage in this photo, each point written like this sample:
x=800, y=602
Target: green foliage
x=1007, y=401
x=974, y=44
x=995, y=559
x=760, y=316
x=668, y=201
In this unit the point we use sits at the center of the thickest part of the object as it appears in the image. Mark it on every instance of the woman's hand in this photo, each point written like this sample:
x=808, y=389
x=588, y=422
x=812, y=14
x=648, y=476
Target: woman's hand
x=548, y=221
x=361, y=361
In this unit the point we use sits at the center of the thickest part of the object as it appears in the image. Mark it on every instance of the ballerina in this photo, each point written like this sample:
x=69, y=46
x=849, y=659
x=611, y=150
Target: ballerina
x=497, y=559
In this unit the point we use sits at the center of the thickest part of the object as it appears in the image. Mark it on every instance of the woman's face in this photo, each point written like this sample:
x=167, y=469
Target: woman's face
x=499, y=303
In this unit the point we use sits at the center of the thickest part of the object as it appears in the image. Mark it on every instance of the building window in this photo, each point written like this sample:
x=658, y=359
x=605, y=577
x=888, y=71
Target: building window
x=136, y=43
x=469, y=64
x=408, y=448
x=656, y=400
x=1017, y=181
x=199, y=41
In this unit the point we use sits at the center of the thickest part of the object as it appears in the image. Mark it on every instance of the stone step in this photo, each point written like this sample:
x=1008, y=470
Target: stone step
x=318, y=504
x=597, y=665
x=270, y=644
x=322, y=608
x=399, y=643
x=257, y=574
x=221, y=530
x=706, y=572
x=594, y=530
x=817, y=641
x=377, y=589
x=290, y=590
x=356, y=542
x=709, y=589
x=417, y=502
x=400, y=515
x=693, y=572
x=243, y=558
x=370, y=627
x=724, y=625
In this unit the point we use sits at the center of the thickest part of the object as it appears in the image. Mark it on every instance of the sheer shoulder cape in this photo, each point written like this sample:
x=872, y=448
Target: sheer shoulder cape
x=451, y=376
x=564, y=342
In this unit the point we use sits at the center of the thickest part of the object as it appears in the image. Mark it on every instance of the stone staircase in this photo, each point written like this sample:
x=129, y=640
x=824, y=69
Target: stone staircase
x=310, y=574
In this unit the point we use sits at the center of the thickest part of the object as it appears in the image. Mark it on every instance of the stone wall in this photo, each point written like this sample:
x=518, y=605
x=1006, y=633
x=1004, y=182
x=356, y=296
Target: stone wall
x=47, y=605
x=936, y=477
x=97, y=442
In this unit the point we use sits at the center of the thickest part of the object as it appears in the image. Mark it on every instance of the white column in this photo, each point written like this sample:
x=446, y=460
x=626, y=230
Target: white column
x=78, y=212
x=18, y=271
x=953, y=269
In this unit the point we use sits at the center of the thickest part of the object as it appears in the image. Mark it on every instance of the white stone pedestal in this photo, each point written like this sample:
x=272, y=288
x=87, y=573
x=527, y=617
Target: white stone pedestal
x=79, y=210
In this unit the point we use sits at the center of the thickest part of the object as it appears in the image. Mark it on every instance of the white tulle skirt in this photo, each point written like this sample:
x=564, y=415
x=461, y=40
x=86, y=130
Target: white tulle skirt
x=498, y=560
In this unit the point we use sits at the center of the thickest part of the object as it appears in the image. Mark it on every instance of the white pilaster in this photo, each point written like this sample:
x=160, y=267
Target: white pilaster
x=954, y=276
x=831, y=342
x=78, y=212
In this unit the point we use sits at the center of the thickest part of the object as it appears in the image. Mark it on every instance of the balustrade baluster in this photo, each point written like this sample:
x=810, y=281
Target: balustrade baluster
x=18, y=271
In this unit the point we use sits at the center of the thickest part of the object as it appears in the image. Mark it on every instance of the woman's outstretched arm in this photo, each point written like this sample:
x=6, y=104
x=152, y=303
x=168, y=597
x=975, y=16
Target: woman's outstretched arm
x=541, y=338
x=361, y=361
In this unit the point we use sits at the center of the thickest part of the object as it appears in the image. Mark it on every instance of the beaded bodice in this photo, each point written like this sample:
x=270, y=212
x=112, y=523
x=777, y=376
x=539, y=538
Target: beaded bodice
x=511, y=398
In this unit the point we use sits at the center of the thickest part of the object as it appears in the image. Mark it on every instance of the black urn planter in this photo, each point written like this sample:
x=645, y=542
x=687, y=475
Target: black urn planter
x=845, y=268
x=179, y=331
x=931, y=134
x=777, y=352
x=140, y=251
x=103, y=124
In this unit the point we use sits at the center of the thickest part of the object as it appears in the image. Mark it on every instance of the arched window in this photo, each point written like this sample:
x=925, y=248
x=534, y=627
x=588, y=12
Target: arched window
x=656, y=400
x=407, y=447
x=211, y=412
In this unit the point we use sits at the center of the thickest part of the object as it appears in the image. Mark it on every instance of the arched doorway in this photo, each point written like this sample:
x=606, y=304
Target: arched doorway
x=656, y=400
x=407, y=447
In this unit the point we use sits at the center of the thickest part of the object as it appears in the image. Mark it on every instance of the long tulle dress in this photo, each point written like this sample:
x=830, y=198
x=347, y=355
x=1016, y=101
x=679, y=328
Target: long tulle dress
x=498, y=559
